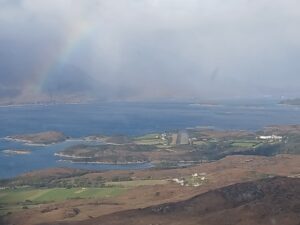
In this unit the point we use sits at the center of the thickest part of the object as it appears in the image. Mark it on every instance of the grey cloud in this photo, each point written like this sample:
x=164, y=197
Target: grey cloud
x=66, y=79
x=152, y=49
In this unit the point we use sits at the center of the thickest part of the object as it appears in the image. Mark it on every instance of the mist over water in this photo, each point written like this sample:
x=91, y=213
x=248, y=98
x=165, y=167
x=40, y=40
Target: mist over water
x=141, y=50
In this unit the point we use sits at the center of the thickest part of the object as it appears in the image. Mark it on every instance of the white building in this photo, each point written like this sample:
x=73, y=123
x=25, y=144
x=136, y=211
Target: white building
x=271, y=137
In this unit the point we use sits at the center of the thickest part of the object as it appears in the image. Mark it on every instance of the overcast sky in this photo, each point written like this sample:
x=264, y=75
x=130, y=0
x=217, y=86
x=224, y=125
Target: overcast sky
x=150, y=49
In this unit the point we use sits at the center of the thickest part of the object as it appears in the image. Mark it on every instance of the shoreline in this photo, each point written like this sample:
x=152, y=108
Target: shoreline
x=16, y=152
x=71, y=156
x=25, y=142
x=68, y=158
x=106, y=163
x=43, y=104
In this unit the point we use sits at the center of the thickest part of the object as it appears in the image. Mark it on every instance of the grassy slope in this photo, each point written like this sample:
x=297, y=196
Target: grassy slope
x=56, y=194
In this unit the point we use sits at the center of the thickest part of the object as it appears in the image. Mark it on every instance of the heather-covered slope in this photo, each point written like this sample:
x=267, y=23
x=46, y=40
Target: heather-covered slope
x=268, y=201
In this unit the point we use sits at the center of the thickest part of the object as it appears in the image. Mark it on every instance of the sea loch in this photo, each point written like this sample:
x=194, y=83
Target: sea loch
x=80, y=120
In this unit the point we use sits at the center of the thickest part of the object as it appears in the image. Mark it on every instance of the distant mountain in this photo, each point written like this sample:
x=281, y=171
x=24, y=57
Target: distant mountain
x=295, y=101
x=45, y=99
x=269, y=201
x=66, y=80
x=63, y=84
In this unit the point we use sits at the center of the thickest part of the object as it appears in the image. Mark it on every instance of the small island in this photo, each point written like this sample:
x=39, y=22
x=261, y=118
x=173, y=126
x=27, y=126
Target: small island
x=16, y=152
x=43, y=138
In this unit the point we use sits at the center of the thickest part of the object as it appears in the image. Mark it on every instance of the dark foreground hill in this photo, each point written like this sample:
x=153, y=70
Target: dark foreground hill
x=269, y=201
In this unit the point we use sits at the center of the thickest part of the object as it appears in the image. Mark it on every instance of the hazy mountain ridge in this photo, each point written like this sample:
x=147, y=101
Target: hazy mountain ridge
x=295, y=101
x=64, y=84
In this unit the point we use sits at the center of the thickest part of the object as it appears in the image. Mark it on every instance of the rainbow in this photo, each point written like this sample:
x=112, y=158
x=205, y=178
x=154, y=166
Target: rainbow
x=73, y=42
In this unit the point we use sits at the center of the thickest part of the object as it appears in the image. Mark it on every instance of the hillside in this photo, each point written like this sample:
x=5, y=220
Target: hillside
x=267, y=201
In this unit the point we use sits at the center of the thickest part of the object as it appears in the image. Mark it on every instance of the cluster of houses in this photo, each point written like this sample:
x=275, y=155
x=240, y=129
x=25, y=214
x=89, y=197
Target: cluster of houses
x=196, y=181
x=164, y=136
x=179, y=181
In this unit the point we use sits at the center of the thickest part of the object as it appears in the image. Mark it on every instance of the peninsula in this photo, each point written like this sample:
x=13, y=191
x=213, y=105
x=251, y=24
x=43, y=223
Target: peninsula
x=42, y=138
x=186, y=147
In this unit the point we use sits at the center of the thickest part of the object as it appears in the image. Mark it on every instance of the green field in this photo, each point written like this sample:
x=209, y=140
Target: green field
x=245, y=144
x=199, y=143
x=148, y=136
x=36, y=196
x=12, y=200
x=135, y=183
x=149, y=139
x=149, y=142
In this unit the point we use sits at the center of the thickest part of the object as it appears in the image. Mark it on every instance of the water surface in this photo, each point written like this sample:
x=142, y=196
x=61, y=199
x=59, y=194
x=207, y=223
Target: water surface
x=132, y=119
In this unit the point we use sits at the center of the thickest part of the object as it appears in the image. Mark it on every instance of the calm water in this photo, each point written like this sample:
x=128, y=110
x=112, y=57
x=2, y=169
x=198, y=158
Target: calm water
x=122, y=118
